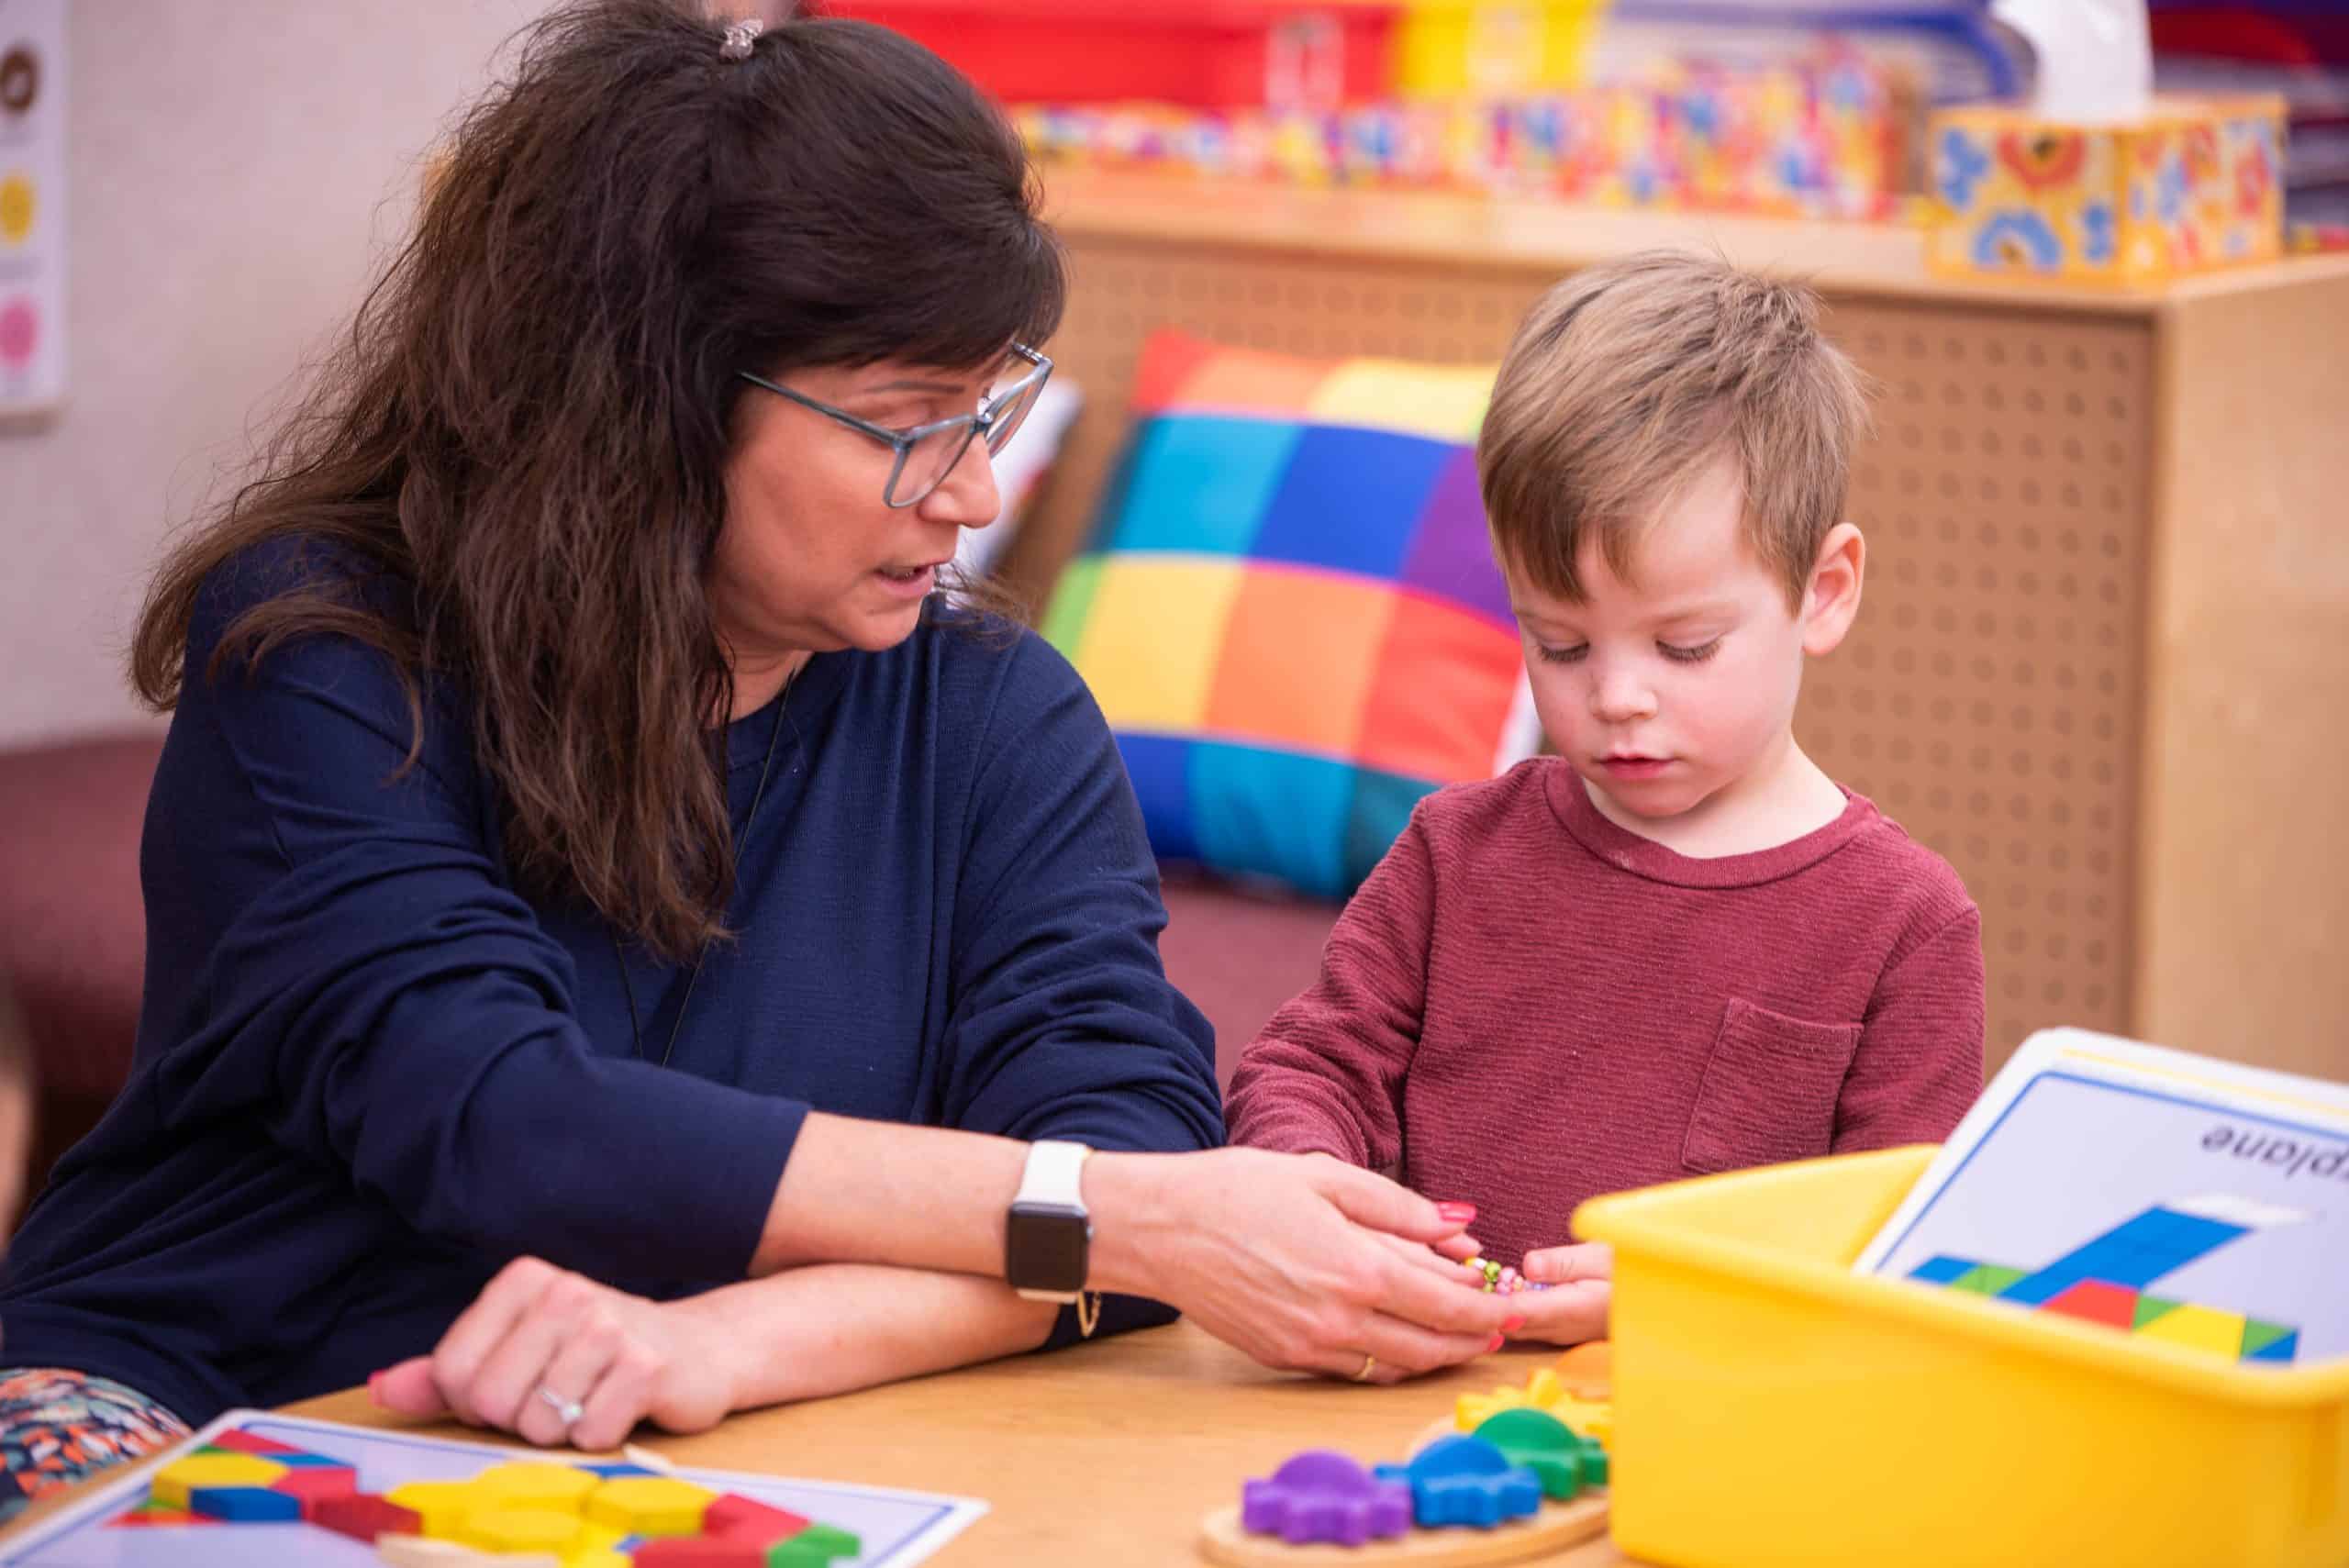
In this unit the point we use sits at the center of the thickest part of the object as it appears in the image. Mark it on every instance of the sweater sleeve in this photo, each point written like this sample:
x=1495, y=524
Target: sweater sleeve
x=378, y=998
x=1065, y=1024
x=1326, y=1075
x=1919, y=1064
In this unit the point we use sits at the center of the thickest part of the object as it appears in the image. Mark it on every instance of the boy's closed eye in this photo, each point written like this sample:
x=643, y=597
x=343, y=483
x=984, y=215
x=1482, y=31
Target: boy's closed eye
x=1679, y=653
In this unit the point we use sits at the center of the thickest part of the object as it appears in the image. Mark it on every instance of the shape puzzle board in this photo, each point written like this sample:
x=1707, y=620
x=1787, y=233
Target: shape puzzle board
x=2168, y=1195
x=898, y=1529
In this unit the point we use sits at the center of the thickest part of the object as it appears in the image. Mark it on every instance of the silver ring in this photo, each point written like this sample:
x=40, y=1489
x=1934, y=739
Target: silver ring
x=567, y=1411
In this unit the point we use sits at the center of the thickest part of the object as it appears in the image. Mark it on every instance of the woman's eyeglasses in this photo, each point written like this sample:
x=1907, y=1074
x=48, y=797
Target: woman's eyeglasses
x=926, y=455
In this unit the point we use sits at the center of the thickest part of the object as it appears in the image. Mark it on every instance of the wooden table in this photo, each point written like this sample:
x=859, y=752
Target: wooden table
x=1103, y=1453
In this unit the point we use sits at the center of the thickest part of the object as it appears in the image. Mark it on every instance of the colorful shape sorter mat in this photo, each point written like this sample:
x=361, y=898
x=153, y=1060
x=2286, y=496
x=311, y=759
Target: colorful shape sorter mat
x=115, y=1528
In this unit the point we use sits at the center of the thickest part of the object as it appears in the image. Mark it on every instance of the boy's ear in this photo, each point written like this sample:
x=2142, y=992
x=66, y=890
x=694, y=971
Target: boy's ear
x=1833, y=597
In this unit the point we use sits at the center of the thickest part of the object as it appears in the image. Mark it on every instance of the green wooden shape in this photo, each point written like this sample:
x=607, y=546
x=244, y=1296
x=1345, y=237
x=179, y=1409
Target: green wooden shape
x=1538, y=1442
x=2258, y=1334
x=1987, y=1279
x=817, y=1546
x=2151, y=1307
x=1593, y=1461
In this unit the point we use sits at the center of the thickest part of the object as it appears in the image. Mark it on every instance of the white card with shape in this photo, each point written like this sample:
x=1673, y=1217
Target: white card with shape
x=2106, y=1177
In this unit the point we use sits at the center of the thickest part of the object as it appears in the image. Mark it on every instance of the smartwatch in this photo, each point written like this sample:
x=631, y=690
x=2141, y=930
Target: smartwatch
x=1048, y=1236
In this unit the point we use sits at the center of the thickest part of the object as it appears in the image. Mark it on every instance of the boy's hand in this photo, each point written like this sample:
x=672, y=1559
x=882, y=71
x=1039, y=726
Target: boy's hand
x=1573, y=1308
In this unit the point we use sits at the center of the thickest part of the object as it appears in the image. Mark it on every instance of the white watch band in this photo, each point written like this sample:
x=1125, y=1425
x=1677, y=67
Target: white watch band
x=1054, y=1175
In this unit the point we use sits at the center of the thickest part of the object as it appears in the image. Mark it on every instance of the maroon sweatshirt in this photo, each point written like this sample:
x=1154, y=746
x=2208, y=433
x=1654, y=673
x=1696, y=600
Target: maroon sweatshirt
x=1527, y=1006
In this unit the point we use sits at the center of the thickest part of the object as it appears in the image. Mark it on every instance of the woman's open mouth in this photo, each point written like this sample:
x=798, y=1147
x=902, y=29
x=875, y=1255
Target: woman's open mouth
x=911, y=580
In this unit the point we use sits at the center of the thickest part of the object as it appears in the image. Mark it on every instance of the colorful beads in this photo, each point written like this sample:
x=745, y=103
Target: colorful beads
x=1499, y=1278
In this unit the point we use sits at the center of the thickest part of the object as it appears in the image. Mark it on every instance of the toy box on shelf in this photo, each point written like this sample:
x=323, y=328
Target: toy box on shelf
x=1823, y=138
x=1197, y=53
x=1491, y=49
x=2193, y=186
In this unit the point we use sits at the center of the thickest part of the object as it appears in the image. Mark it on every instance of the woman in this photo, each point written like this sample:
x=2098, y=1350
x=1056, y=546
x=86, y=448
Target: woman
x=594, y=877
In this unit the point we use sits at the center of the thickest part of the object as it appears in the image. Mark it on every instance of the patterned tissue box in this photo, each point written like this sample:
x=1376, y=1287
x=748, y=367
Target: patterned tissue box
x=2195, y=185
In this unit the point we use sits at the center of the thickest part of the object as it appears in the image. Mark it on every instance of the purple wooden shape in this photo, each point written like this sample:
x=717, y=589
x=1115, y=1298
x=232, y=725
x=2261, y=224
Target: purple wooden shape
x=1323, y=1495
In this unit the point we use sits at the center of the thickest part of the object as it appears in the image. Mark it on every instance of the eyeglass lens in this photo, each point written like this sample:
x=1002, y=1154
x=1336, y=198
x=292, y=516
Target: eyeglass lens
x=931, y=459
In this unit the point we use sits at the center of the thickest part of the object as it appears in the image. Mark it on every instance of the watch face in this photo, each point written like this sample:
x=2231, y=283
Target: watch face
x=1045, y=1248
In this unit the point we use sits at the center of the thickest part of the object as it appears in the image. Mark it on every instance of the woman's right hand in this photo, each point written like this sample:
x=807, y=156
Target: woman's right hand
x=1293, y=1260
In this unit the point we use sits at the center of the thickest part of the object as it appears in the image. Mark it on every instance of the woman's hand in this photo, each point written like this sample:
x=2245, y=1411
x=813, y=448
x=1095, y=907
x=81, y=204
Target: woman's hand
x=1294, y=1260
x=621, y=1358
x=1581, y=1282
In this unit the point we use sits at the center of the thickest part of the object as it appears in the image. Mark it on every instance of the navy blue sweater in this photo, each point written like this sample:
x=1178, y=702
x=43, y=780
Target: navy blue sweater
x=369, y=1071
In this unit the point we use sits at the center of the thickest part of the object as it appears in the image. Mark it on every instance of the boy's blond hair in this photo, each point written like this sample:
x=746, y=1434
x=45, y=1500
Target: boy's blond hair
x=1627, y=381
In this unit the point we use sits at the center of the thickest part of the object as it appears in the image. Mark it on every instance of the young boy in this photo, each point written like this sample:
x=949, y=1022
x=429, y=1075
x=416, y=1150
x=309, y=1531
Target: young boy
x=1677, y=945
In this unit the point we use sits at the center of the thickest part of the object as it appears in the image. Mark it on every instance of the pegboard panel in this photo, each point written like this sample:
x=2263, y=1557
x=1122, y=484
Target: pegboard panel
x=1991, y=696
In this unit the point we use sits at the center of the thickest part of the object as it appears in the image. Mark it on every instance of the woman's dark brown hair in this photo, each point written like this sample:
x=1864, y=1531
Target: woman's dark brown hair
x=528, y=423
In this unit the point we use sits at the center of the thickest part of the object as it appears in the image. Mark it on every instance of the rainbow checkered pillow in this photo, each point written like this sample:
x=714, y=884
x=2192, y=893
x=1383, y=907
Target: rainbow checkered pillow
x=1289, y=612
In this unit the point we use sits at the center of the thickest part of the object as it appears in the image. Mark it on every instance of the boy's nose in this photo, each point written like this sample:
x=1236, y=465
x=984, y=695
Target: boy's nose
x=1619, y=694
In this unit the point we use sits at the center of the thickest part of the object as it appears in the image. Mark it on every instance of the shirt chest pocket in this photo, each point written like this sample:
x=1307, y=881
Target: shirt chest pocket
x=1769, y=1090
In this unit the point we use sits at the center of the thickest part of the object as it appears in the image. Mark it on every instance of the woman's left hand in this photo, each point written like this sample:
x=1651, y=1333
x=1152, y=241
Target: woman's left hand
x=537, y=1337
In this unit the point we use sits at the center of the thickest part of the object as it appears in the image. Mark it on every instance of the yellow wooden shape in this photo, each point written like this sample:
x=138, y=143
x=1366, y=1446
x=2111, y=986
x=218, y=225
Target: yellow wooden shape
x=595, y=1537
x=175, y=1480
x=2199, y=1328
x=1474, y=1409
x=597, y=1547
x=531, y=1484
x=522, y=1529
x=441, y=1507
x=1544, y=1391
x=649, y=1505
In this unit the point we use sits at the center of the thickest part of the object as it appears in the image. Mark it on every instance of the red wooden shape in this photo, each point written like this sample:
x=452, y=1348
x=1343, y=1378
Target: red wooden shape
x=364, y=1516
x=2099, y=1302
x=242, y=1441
x=316, y=1486
x=700, y=1552
x=738, y=1518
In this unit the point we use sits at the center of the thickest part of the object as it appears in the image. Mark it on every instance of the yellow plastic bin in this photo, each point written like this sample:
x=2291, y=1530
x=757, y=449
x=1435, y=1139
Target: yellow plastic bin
x=1494, y=49
x=1774, y=1408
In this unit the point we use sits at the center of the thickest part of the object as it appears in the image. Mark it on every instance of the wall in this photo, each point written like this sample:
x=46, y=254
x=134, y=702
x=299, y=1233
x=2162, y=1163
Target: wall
x=238, y=169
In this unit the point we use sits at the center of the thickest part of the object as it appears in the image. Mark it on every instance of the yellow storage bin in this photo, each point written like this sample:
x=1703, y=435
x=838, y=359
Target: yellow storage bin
x=1773, y=1408
x=1494, y=49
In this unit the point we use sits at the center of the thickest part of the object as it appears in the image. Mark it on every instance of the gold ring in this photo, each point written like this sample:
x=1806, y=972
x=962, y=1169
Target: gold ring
x=1369, y=1364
